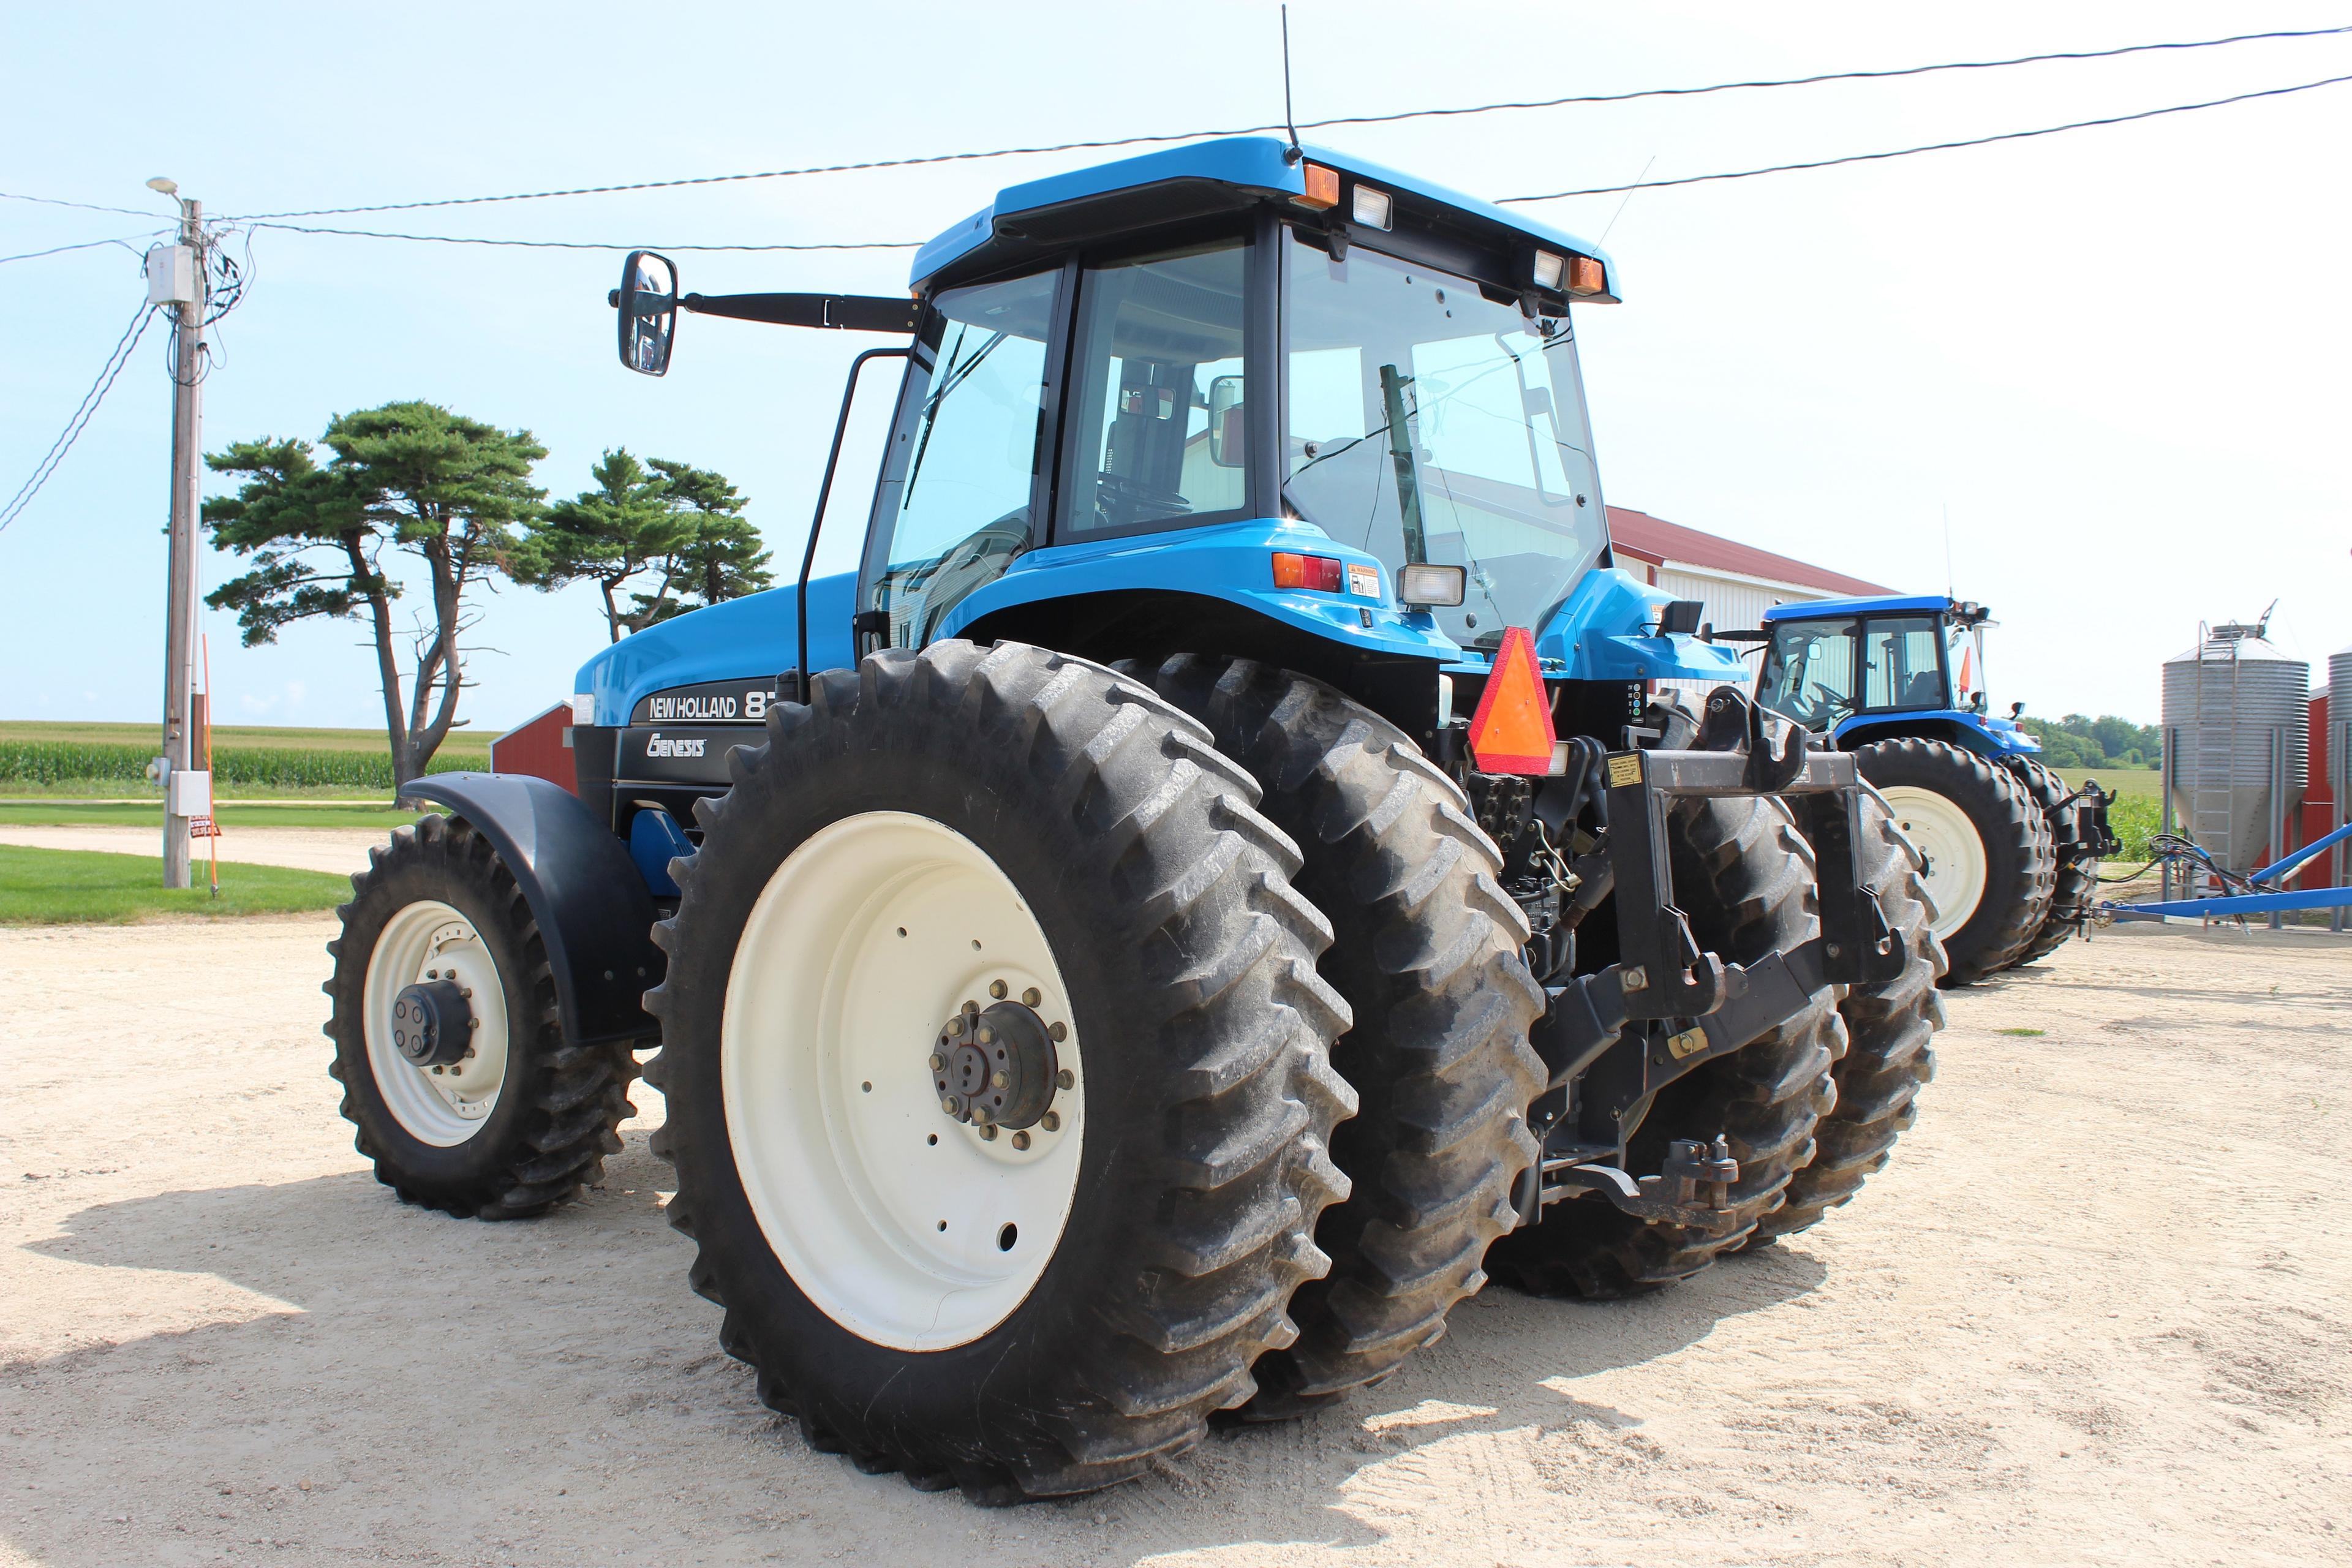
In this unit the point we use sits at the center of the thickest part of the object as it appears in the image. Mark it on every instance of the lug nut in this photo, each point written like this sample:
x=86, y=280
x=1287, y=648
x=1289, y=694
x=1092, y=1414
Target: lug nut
x=984, y=1035
x=949, y=1105
x=436, y=1072
x=1050, y=1121
x=979, y=1114
x=1021, y=1139
x=997, y=988
x=1060, y=1032
x=987, y=1133
x=970, y=1008
x=1002, y=1080
x=1066, y=1078
x=1031, y=997
x=938, y=1062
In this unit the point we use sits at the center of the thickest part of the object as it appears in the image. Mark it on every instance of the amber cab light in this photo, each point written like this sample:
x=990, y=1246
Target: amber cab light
x=1586, y=276
x=1321, y=573
x=1322, y=192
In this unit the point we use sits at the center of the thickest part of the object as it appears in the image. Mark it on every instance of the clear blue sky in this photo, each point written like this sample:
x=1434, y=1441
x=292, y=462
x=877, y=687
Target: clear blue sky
x=2119, y=356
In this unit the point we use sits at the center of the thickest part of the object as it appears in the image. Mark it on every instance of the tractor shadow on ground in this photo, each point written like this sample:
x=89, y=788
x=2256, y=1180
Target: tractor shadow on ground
x=581, y=1346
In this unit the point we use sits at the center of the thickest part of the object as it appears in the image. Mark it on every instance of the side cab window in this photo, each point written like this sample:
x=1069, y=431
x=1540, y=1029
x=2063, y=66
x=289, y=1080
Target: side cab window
x=958, y=486
x=1159, y=431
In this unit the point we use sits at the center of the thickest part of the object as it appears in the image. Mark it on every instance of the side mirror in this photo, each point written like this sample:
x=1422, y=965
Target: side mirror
x=1225, y=414
x=2017, y=710
x=647, y=298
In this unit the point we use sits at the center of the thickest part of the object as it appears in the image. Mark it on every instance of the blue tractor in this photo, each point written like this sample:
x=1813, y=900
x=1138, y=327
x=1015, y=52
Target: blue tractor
x=2012, y=851
x=1128, y=950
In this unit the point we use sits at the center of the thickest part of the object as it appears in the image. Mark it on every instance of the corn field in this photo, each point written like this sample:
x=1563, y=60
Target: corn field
x=52, y=763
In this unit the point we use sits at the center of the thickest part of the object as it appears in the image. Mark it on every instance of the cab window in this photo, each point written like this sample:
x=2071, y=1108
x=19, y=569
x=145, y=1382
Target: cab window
x=1158, y=434
x=1809, y=671
x=1902, y=663
x=964, y=457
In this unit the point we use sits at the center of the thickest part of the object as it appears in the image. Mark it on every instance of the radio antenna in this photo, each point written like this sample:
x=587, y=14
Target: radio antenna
x=1289, y=119
x=1951, y=588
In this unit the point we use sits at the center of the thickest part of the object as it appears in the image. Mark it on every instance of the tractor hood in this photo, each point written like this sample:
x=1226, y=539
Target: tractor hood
x=1608, y=631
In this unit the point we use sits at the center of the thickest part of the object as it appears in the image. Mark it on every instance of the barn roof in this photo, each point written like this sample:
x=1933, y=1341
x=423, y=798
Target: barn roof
x=1658, y=542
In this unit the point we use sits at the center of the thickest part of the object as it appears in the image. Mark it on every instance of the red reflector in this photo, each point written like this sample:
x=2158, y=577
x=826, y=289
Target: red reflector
x=1321, y=573
x=1511, y=733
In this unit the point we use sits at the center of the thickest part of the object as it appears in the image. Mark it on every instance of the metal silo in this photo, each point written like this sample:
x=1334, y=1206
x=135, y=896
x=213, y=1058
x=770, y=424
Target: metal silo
x=2236, y=720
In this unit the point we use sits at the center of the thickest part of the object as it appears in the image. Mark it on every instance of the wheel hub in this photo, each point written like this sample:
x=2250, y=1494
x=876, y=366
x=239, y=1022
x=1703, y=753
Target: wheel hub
x=997, y=1067
x=431, y=1024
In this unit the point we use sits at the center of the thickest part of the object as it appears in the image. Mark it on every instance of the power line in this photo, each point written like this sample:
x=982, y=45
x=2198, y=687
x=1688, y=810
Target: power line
x=56, y=455
x=1105, y=144
x=582, y=243
x=85, y=244
x=1548, y=196
x=1933, y=146
x=84, y=207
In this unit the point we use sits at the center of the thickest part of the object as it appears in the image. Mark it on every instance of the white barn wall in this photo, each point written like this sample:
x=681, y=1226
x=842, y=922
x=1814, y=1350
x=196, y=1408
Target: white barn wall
x=1734, y=602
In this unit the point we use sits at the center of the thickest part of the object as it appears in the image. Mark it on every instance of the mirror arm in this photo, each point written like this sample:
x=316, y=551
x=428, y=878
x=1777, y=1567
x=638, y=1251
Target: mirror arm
x=842, y=313
x=825, y=492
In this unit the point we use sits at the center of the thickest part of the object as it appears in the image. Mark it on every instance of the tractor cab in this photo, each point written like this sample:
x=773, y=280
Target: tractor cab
x=1239, y=395
x=1860, y=669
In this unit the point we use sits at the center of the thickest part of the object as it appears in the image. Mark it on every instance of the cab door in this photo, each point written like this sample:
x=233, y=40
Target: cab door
x=966, y=481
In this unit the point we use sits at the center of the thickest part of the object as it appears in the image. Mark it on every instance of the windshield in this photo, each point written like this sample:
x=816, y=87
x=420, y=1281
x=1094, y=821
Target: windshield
x=1429, y=423
x=1810, y=672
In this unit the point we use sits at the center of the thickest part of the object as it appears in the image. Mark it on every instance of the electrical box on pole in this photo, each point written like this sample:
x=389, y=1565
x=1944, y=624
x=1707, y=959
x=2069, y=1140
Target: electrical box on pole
x=172, y=275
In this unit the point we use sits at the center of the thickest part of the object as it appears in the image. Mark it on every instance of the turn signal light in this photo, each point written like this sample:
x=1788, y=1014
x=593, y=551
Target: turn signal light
x=1322, y=192
x=1586, y=275
x=1321, y=573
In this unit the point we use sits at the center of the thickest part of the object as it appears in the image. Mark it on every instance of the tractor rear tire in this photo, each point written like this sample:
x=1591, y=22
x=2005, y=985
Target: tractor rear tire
x=1427, y=952
x=1019, y=1316
x=1888, y=1058
x=2076, y=886
x=1991, y=863
x=1744, y=875
x=532, y=1124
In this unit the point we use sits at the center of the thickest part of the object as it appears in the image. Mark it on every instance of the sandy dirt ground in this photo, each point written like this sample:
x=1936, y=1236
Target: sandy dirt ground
x=304, y=848
x=2098, y=1312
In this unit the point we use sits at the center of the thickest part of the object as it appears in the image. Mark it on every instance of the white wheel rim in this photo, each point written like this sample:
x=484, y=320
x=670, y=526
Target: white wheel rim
x=903, y=1224
x=1956, y=853
x=426, y=941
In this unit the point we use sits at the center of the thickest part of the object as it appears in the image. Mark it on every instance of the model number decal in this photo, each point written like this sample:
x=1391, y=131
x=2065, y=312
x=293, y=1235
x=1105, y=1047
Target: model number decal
x=657, y=747
x=714, y=702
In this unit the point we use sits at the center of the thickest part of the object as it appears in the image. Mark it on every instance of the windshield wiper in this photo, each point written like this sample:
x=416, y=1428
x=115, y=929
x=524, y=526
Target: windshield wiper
x=1392, y=385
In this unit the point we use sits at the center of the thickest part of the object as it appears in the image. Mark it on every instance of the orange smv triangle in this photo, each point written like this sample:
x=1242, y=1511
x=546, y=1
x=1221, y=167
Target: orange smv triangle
x=1511, y=733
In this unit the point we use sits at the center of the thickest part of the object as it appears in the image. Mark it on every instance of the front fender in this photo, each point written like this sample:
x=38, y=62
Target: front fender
x=595, y=914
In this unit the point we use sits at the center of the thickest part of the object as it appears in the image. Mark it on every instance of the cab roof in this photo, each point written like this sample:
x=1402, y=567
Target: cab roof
x=1830, y=609
x=1227, y=175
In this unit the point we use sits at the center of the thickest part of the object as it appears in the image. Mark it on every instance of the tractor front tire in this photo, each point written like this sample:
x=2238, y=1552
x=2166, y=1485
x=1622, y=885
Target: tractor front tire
x=1427, y=952
x=1888, y=1058
x=1035, y=1300
x=515, y=1121
x=1744, y=876
x=1991, y=865
x=2076, y=885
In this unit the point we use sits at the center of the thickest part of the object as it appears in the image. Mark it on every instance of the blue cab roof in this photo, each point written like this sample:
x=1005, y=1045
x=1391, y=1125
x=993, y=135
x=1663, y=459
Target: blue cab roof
x=1249, y=161
x=1829, y=609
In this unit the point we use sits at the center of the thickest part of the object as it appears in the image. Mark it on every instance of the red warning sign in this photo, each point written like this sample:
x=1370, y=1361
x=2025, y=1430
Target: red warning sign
x=1511, y=733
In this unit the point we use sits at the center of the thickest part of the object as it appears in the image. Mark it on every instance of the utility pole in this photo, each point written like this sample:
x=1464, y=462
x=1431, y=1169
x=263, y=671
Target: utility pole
x=185, y=290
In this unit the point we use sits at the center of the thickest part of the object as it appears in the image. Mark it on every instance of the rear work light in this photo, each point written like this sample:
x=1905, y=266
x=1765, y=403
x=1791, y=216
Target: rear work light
x=1432, y=585
x=1550, y=270
x=1321, y=573
x=1373, y=208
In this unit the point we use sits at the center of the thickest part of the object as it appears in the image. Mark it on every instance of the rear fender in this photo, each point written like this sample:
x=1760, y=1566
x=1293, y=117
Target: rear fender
x=592, y=907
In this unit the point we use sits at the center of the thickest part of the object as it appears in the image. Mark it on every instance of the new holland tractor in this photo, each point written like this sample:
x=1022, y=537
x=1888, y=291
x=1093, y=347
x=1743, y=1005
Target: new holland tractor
x=2012, y=853
x=1212, y=886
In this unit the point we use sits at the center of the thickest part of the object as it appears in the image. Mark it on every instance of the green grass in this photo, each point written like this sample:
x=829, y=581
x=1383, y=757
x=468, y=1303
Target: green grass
x=2029, y=1034
x=2132, y=784
x=57, y=887
x=230, y=814
x=224, y=736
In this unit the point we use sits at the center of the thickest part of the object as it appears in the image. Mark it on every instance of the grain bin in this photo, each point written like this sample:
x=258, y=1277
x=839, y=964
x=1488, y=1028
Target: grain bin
x=2236, y=722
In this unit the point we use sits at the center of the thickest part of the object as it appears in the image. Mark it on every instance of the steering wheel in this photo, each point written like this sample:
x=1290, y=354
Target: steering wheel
x=1831, y=704
x=1120, y=500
